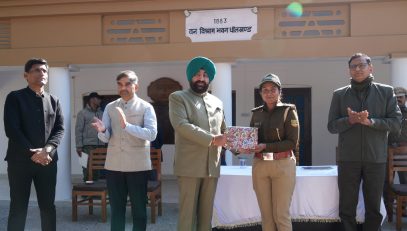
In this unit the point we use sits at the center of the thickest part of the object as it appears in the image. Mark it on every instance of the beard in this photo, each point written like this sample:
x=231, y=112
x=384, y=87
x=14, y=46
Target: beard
x=199, y=86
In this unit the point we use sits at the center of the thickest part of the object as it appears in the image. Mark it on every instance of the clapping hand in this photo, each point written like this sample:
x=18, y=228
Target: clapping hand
x=122, y=117
x=359, y=117
x=98, y=125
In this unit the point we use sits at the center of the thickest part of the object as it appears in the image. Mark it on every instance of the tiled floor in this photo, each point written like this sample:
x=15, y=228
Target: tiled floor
x=92, y=222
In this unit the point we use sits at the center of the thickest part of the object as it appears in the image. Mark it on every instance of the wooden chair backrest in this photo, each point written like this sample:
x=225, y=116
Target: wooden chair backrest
x=97, y=159
x=397, y=158
x=155, y=155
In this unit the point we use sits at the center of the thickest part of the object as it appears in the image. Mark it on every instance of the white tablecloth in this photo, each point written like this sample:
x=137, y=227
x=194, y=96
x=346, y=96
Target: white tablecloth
x=315, y=197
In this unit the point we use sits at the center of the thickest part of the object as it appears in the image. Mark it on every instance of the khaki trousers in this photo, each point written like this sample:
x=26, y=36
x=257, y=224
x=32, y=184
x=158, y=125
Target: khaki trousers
x=196, y=196
x=273, y=182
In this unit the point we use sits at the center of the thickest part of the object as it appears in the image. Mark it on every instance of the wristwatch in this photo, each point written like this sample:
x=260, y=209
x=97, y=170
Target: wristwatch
x=48, y=149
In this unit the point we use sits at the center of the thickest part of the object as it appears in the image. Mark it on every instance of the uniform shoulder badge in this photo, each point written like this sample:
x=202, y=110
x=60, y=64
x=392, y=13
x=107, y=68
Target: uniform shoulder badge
x=294, y=123
x=292, y=106
x=258, y=108
x=285, y=105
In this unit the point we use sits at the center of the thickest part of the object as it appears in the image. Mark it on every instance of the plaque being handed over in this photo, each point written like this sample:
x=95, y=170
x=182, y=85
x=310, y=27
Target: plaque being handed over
x=241, y=138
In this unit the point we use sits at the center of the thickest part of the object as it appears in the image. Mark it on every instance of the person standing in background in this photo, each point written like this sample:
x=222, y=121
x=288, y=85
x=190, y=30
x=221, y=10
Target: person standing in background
x=34, y=125
x=397, y=140
x=400, y=138
x=198, y=121
x=86, y=136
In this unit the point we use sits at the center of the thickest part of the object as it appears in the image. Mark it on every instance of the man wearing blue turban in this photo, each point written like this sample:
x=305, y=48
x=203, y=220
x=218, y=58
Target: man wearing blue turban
x=198, y=120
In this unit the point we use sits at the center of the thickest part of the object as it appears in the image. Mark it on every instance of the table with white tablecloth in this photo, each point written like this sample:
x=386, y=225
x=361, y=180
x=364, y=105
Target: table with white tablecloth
x=315, y=197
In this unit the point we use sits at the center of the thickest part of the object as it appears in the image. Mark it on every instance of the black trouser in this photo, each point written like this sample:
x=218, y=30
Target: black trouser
x=350, y=175
x=20, y=176
x=123, y=184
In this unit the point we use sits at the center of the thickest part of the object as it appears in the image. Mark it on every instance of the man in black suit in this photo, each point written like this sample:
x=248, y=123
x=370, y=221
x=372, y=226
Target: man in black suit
x=33, y=123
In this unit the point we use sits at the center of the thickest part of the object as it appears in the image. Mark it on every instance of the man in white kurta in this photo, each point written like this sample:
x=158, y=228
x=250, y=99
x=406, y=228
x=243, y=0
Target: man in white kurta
x=128, y=125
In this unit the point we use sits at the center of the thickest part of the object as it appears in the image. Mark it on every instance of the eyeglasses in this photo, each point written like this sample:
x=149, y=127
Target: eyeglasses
x=361, y=66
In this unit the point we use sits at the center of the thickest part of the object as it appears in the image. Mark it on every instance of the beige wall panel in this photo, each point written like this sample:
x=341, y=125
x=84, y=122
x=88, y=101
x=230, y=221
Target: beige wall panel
x=265, y=23
x=64, y=7
x=56, y=31
x=177, y=27
x=378, y=18
x=255, y=49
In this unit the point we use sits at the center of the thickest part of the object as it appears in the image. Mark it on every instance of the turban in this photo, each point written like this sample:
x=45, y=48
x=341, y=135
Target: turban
x=198, y=63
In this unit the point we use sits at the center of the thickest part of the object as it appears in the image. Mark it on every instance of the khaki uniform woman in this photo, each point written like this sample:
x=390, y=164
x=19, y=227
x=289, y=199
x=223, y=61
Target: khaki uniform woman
x=274, y=163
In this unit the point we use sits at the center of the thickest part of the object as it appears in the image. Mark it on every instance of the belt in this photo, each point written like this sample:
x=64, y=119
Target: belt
x=402, y=144
x=273, y=155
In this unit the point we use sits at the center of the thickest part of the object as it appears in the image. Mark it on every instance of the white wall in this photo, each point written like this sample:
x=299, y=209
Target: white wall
x=9, y=81
x=322, y=75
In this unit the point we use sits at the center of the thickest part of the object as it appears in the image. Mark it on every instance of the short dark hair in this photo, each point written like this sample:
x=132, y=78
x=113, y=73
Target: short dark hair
x=357, y=55
x=31, y=62
x=94, y=95
x=129, y=74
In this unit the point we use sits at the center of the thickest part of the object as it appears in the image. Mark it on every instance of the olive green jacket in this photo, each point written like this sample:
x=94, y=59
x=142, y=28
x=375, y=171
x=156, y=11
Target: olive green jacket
x=357, y=142
x=196, y=119
x=279, y=129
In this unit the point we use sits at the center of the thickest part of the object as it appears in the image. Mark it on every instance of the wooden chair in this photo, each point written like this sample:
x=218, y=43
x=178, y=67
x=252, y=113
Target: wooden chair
x=397, y=158
x=154, y=186
x=85, y=194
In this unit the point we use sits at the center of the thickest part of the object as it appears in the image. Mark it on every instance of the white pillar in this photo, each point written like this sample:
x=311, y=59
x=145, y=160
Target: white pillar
x=222, y=88
x=399, y=72
x=60, y=85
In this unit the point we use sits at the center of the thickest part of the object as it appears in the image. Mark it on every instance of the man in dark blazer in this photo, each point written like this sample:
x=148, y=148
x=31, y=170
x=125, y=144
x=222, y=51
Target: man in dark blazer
x=33, y=123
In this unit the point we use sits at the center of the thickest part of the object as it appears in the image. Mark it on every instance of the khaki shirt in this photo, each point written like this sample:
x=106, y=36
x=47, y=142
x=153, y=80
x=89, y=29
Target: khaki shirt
x=278, y=129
